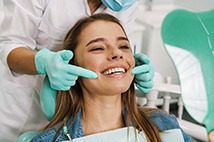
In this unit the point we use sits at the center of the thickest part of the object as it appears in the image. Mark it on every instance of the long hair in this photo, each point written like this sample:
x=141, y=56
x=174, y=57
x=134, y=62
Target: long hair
x=70, y=102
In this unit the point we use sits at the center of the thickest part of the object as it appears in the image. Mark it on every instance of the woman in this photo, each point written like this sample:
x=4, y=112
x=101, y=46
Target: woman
x=29, y=27
x=100, y=44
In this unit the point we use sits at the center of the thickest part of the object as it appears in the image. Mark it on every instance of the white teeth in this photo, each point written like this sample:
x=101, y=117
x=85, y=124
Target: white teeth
x=115, y=71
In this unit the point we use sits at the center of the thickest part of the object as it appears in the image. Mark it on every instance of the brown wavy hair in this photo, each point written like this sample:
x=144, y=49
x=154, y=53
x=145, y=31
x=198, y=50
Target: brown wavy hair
x=70, y=102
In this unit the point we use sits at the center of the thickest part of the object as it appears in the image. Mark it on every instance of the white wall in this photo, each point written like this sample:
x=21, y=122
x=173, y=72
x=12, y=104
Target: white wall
x=151, y=41
x=1, y=10
x=1, y=17
x=196, y=5
x=158, y=1
x=1, y=5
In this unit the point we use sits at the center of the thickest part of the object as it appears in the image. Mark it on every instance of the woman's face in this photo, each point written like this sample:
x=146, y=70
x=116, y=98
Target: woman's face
x=104, y=48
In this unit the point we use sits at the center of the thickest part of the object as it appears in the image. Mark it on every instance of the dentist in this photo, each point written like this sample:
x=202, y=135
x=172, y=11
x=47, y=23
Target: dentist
x=31, y=36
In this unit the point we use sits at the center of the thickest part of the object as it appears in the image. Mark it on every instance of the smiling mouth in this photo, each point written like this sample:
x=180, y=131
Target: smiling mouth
x=115, y=71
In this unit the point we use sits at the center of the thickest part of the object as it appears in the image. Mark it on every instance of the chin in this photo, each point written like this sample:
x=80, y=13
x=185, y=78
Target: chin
x=121, y=88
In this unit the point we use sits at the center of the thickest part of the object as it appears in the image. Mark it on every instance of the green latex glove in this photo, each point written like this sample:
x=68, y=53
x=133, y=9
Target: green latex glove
x=61, y=74
x=144, y=73
x=27, y=136
x=48, y=99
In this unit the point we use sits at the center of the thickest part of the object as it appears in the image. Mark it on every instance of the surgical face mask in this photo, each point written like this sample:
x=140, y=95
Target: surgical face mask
x=118, y=5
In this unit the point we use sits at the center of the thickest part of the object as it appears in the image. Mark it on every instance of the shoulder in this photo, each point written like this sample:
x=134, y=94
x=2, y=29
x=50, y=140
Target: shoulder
x=48, y=136
x=166, y=121
x=56, y=133
x=44, y=136
x=163, y=120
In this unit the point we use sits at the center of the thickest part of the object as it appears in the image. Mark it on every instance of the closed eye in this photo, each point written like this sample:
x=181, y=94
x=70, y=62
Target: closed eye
x=124, y=47
x=97, y=49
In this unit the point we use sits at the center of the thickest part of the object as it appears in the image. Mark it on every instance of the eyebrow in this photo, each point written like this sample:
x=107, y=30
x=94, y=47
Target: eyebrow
x=123, y=38
x=95, y=40
x=102, y=40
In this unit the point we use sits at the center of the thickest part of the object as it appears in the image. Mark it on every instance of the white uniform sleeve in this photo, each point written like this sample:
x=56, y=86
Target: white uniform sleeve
x=20, y=25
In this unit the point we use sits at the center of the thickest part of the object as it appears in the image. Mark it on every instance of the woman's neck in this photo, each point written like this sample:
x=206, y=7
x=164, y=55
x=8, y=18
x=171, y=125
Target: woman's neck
x=101, y=115
x=94, y=5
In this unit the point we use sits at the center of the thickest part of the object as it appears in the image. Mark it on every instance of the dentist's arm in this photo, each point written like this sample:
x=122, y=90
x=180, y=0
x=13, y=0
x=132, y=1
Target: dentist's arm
x=144, y=73
x=54, y=64
x=21, y=60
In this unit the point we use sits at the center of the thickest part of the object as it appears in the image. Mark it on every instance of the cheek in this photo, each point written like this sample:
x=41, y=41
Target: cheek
x=131, y=60
x=84, y=60
x=91, y=62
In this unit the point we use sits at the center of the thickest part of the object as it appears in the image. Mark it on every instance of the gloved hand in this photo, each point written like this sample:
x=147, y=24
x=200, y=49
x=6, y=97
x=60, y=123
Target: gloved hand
x=61, y=74
x=144, y=73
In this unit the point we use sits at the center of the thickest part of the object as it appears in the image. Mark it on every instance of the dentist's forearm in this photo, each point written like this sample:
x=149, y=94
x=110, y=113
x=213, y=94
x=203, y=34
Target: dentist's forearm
x=21, y=60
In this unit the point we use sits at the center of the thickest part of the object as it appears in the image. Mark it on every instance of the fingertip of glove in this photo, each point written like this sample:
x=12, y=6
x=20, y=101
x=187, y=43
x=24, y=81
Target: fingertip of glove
x=94, y=75
x=146, y=61
x=91, y=75
x=134, y=70
x=66, y=54
x=142, y=58
x=144, y=90
x=69, y=54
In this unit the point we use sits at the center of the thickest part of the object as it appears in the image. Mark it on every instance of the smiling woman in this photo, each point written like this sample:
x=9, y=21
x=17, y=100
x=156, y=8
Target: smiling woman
x=114, y=54
x=100, y=44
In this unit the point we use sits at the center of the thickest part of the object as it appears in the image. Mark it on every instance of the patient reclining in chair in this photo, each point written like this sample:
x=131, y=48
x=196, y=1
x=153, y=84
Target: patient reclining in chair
x=108, y=103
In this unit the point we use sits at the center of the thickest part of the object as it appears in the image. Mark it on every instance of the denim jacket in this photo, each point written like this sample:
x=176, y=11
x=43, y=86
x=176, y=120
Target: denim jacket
x=162, y=120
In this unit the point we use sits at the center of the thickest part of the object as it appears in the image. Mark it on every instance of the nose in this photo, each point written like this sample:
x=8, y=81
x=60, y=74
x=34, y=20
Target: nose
x=115, y=54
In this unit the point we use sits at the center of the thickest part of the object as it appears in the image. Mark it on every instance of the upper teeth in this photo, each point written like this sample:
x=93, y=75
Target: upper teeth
x=115, y=71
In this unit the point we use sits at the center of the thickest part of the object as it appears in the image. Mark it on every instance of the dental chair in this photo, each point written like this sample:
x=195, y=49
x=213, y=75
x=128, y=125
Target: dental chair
x=166, y=95
x=48, y=103
x=188, y=38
